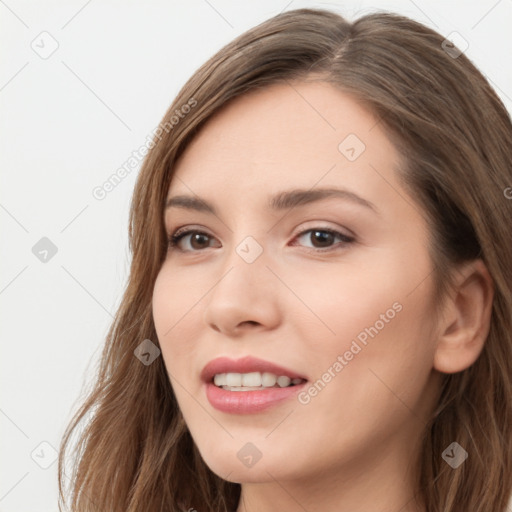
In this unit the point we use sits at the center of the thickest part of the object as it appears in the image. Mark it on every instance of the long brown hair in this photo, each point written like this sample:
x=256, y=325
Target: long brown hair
x=134, y=452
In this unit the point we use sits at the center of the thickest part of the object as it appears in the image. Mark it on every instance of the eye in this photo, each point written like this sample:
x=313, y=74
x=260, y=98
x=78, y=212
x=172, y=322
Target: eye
x=199, y=240
x=321, y=239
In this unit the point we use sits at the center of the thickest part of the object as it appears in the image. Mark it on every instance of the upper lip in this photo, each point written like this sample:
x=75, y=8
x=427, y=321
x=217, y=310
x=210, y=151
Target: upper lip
x=246, y=364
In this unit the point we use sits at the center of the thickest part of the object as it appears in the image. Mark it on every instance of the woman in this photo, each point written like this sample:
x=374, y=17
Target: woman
x=318, y=315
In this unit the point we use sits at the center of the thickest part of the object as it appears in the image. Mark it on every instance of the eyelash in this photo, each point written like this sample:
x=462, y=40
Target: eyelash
x=179, y=234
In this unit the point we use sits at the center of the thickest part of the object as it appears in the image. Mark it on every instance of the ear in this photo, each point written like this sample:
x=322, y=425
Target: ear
x=466, y=319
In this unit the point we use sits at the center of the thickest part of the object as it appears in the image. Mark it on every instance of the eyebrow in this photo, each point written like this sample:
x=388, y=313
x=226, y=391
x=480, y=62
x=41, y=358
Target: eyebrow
x=281, y=201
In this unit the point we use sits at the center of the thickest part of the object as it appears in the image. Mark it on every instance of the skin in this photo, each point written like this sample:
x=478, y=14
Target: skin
x=355, y=445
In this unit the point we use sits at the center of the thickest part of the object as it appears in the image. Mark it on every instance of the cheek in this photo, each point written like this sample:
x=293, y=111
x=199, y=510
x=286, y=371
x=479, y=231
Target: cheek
x=338, y=305
x=364, y=392
x=371, y=340
x=172, y=312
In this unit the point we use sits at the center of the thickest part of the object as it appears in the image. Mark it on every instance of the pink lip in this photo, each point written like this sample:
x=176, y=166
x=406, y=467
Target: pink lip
x=246, y=402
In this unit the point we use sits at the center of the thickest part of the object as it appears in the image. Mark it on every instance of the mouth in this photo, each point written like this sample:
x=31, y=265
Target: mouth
x=249, y=385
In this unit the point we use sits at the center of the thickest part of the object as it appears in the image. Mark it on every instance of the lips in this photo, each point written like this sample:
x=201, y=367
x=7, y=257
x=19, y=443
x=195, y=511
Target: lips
x=246, y=364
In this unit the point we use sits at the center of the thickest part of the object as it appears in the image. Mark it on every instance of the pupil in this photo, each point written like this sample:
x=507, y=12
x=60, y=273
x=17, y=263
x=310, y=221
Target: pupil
x=323, y=236
x=197, y=238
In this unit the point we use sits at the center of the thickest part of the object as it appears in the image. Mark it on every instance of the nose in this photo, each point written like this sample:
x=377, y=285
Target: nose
x=245, y=297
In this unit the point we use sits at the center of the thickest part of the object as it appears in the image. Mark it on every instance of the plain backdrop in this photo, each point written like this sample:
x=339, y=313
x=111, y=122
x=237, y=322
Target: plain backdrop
x=82, y=85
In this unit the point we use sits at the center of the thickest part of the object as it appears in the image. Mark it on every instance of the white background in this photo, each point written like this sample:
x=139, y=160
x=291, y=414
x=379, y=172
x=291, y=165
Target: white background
x=67, y=123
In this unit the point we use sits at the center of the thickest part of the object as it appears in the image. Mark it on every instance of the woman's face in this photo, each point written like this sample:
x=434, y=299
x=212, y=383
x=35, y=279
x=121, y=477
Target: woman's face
x=335, y=288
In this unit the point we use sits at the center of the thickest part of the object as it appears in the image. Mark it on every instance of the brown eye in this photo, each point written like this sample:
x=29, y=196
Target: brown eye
x=324, y=238
x=198, y=240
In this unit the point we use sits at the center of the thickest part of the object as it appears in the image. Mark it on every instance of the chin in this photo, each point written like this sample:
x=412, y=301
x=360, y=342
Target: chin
x=229, y=467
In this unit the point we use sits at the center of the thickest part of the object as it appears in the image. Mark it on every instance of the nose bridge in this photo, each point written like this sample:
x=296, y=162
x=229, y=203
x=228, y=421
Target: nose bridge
x=243, y=292
x=246, y=264
x=250, y=250
x=249, y=240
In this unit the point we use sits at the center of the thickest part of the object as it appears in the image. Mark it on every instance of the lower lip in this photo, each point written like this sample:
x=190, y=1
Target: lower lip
x=246, y=402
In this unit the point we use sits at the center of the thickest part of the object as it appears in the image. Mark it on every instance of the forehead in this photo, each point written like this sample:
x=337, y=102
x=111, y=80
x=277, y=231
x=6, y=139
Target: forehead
x=294, y=134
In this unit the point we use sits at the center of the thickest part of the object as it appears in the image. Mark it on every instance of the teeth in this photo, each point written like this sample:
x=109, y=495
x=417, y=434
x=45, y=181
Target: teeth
x=283, y=381
x=219, y=379
x=253, y=380
x=233, y=379
x=268, y=380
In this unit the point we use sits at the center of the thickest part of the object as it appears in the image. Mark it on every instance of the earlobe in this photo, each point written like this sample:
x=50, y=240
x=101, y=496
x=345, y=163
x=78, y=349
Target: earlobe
x=466, y=319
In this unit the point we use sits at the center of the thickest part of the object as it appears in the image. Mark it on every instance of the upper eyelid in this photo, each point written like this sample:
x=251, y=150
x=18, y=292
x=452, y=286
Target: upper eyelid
x=191, y=227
